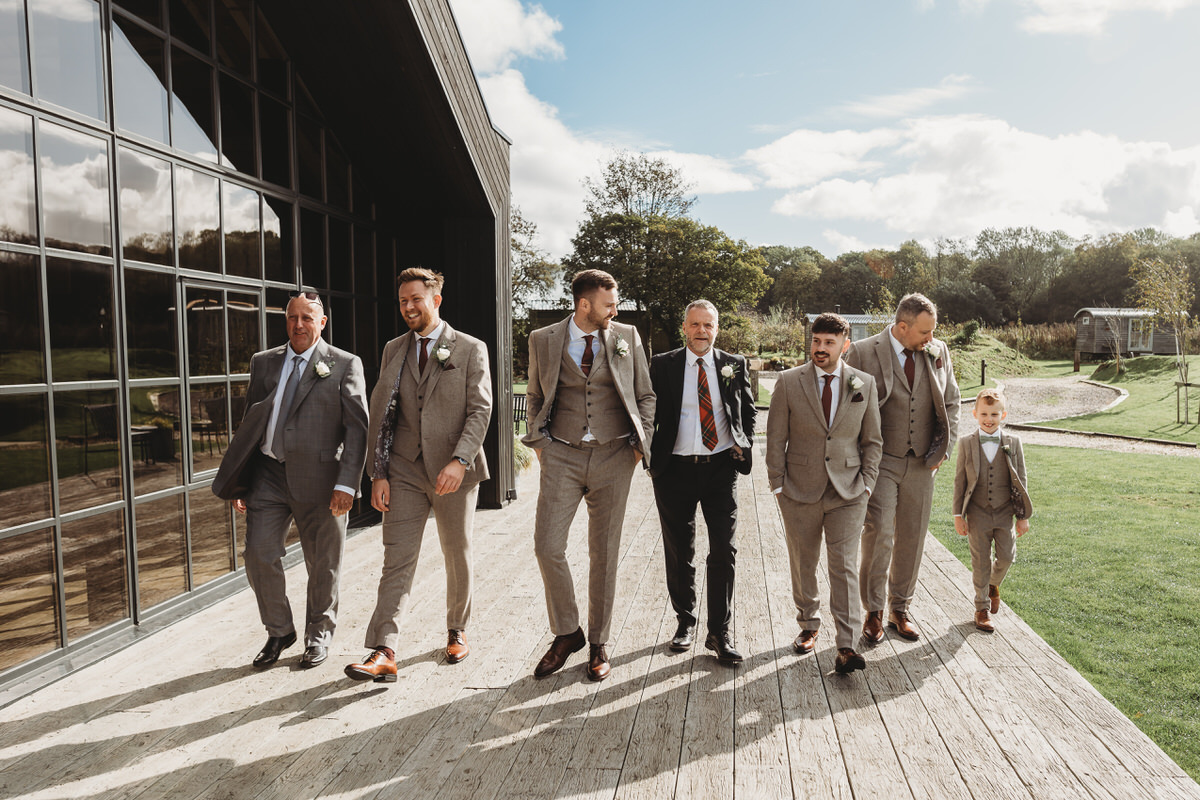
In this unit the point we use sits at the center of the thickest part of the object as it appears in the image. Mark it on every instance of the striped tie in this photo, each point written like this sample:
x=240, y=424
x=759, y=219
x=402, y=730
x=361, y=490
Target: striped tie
x=708, y=423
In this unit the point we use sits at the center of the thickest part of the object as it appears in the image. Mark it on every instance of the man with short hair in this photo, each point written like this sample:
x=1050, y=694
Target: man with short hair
x=298, y=454
x=918, y=407
x=429, y=413
x=591, y=419
x=703, y=431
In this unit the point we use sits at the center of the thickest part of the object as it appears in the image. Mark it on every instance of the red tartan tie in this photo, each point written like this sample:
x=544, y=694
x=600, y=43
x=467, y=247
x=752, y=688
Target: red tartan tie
x=585, y=363
x=827, y=399
x=708, y=423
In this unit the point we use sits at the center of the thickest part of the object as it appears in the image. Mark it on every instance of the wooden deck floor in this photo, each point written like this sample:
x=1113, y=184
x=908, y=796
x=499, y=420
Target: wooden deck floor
x=959, y=714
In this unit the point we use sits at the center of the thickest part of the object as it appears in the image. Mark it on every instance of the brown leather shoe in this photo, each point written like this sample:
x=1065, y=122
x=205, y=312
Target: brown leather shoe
x=598, y=667
x=994, y=596
x=456, y=647
x=982, y=622
x=873, y=627
x=847, y=661
x=376, y=667
x=901, y=624
x=805, y=643
x=560, y=648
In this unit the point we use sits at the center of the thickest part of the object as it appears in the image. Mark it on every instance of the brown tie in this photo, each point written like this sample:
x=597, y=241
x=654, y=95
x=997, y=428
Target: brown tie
x=423, y=358
x=910, y=367
x=708, y=423
x=585, y=363
x=827, y=399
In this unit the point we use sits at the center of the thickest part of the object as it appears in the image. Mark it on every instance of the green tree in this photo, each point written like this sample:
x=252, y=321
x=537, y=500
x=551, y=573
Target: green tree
x=795, y=272
x=634, y=184
x=1018, y=264
x=533, y=273
x=1165, y=287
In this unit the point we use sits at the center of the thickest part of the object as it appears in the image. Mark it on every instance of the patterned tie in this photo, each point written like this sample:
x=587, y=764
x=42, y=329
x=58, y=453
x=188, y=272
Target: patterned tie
x=423, y=358
x=827, y=399
x=585, y=363
x=910, y=367
x=708, y=423
x=285, y=406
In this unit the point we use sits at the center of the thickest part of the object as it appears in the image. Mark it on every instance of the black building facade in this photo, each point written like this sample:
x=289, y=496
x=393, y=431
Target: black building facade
x=171, y=171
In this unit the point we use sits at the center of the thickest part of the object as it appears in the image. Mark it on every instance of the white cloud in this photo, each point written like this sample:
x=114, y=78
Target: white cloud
x=707, y=174
x=903, y=104
x=497, y=32
x=953, y=176
x=845, y=243
x=1078, y=17
x=805, y=157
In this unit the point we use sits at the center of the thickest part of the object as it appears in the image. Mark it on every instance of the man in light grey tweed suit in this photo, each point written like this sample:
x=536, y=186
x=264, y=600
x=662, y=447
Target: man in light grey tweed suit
x=591, y=419
x=298, y=454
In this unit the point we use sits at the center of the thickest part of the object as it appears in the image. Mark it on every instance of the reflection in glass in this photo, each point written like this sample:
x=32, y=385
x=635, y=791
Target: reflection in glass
x=312, y=248
x=279, y=262
x=24, y=461
x=21, y=359
x=198, y=202
x=308, y=139
x=75, y=191
x=145, y=201
x=237, y=126
x=205, y=331
x=341, y=269
x=14, y=53
x=337, y=168
x=67, y=54
x=154, y=417
x=210, y=425
x=161, y=550
x=149, y=10
x=237, y=403
x=87, y=427
x=28, y=600
x=82, y=339
x=212, y=537
x=150, y=324
x=272, y=60
x=240, y=214
x=233, y=35
x=18, y=201
x=277, y=300
x=190, y=23
x=93, y=554
x=139, y=80
x=193, y=128
x=243, y=330
x=276, y=141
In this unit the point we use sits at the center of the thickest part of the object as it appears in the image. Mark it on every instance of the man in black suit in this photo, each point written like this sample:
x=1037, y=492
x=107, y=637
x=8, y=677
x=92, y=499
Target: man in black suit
x=698, y=448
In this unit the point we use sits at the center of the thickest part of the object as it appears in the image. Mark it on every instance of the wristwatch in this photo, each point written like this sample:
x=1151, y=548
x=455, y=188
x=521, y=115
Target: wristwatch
x=462, y=461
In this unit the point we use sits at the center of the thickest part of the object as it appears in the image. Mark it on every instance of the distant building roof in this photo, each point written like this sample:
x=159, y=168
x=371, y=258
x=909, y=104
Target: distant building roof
x=858, y=319
x=1116, y=312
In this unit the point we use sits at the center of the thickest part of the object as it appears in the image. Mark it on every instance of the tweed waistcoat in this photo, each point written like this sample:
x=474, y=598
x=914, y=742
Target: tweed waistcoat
x=587, y=403
x=994, y=477
x=907, y=419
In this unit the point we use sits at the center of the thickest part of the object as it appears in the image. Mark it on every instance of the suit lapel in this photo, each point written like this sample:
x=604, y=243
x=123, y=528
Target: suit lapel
x=435, y=368
x=678, y=376
x=844, y=395
x=551, y=363
x=272, y=366
x=808, y=388
x=728, y=394
x=886, y=357
x=309, y=378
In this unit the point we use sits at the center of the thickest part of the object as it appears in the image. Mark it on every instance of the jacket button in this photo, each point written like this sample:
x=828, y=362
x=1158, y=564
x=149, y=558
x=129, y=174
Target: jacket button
x=826, y=458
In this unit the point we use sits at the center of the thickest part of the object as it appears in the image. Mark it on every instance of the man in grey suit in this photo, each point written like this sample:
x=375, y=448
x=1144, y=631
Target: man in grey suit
x=591, y=419
x=298, y=454
x=429, y=413
x=823, y=452
x=918, y=407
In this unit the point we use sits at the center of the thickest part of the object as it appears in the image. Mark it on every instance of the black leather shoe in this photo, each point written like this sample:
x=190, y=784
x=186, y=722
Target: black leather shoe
x=560, y=648
x=684, y=635
x=271, y=650
x=314, y=654
x=847, y=661
x=723, y=645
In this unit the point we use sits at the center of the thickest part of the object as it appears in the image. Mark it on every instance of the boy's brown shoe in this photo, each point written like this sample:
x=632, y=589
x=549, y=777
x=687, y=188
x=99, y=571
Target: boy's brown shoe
x=994, y=596
x=982, y=622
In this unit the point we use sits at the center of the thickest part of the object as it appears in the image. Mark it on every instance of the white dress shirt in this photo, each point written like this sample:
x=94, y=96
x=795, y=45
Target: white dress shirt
x=989, y=448
x=689, y=441
x=433, y=337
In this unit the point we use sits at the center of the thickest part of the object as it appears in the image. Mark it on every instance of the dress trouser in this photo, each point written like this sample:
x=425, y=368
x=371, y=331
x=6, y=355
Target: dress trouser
x=893, y=537
x=985, y=526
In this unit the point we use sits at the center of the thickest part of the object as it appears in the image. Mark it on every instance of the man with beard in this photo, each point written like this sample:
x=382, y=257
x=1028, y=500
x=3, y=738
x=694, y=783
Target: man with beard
x=823, y=451
x=591, y=419
x=918, y=407
x=429, y=413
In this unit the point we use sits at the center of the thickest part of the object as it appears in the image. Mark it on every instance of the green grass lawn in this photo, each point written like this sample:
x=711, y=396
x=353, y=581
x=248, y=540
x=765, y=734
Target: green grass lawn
x=1149, y=411
x=1001, y=360
x=1108, y=576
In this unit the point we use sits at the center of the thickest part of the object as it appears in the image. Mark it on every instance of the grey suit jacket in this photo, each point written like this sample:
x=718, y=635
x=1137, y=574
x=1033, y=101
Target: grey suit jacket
x=971, y=460
x=631, y=375
x=457, y=405
x=324, y=436
x=876, y=356
x=803, y=456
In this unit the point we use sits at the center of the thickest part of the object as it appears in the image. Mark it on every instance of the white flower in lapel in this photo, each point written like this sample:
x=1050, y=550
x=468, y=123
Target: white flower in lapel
x=728, y=371
x=1007, y=450
x=322, y=368
x=620, y=346
x=933, y=351
x=441, y=353
x=854, y=382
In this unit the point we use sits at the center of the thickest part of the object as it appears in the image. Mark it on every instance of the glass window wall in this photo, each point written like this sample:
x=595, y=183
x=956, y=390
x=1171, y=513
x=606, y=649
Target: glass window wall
x=28, y=599
x=147, y=226
x=18, y=197
x=139, y=80
x=68, y=55
x=75, y=197
x=94, y=572
x=21, y=359
x=24, y=460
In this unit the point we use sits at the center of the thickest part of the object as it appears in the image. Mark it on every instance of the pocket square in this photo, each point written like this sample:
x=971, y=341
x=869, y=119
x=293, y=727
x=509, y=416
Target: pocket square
x=448, y=367
x=938, y=363
x=858, y=398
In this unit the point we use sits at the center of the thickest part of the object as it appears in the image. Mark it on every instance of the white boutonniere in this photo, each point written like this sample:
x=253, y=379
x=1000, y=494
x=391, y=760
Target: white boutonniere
x=728, y=371
x=854, y=382
x=441, y=353
x=621, y=347
x=932, y=351
x=322, y=368
x=1007, y=450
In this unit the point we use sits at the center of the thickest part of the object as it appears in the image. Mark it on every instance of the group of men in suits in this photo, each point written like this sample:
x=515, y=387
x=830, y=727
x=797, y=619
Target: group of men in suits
x=597, y=408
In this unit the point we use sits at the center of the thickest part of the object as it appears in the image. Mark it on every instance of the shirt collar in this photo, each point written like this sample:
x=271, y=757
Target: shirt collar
x=306, y=355
x=897, y=345
x=837, y=373
x=577, y=332
x=708, y=358
x=436, y=333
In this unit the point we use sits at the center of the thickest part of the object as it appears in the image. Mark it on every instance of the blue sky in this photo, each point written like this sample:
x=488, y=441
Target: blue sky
x=849, y=125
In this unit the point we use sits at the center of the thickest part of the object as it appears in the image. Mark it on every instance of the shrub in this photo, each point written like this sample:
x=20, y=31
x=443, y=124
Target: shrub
x=1048, y=340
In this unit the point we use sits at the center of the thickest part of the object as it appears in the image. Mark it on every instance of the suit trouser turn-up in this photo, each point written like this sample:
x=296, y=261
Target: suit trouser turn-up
x=894, y=533
x=600, y=475
x=677, y=491
x=984, y=526
x=411, y=497
x=840, y=522
x=270, y=508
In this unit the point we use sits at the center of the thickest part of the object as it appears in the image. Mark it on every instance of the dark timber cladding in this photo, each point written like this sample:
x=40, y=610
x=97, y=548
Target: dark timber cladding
x=395, y=83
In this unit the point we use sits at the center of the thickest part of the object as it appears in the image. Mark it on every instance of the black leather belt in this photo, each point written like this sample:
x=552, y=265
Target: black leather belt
x=701, y=459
